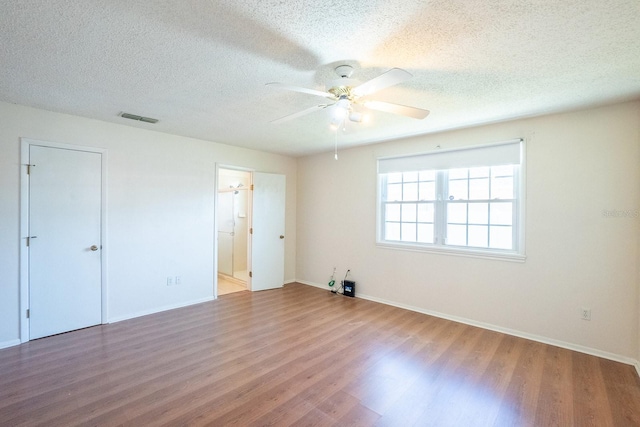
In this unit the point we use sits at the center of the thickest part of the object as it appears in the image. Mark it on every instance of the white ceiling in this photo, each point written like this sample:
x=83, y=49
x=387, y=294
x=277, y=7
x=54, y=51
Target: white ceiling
x=200, y=66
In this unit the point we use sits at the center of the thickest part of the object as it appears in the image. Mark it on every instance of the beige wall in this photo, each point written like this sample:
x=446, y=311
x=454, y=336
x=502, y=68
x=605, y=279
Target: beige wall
x=160, y=210
x=578, y=164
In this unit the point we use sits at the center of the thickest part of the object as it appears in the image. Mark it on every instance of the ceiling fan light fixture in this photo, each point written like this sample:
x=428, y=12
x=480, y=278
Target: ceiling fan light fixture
x=343, y=103
x=355, y=116
x=335, y=122
x=341, y=109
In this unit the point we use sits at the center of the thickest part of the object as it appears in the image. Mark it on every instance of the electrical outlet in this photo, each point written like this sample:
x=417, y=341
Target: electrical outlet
x=169, y=280
x=586, y=313
x=178, y=280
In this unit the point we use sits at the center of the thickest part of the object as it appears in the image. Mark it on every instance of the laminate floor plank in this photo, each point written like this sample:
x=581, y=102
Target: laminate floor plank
x=555, y=402
x=158, y=366
x=306, y=357
x=520, y=401
x=274, y=388
x=591, y=404
x=621, y=381
x=188, y=373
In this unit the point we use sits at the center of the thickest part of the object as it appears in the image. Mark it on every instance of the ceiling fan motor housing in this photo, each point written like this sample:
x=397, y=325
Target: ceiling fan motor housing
x=342, y=86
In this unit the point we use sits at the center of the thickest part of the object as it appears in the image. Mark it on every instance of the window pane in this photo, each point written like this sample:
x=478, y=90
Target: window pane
x=408, y=232
x=478, y=213
x=458, y=189
x=502, y=188
x=458, y=173
x=425, y=233
x=479, y=236
x=501, y=213
x=479, y=173
x=409, y=212
x=427, y=175
x=501, y=237
x=410, y=192
x=392, y=231
x=410, y=176
x=394, y=177
x=427, y=191
x=457, y=235
x=457, y=213
x=394, y=192
x=479, y=189
x=425, y=212
x=392, y=212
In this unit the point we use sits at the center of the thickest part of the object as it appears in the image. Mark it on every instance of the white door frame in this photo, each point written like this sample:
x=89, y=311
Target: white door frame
x=25, y=144
x=215, y=225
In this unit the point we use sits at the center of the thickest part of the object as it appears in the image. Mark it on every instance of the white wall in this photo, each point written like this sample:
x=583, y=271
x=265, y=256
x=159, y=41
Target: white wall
x=578, y=164
x=160, y=209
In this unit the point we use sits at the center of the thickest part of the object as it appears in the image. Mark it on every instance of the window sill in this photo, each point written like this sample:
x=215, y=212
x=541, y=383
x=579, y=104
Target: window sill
x=471, y=253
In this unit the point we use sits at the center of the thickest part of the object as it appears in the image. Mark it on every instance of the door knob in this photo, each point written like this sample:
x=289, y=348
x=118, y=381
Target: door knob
x=281, y=236
x=93, y=248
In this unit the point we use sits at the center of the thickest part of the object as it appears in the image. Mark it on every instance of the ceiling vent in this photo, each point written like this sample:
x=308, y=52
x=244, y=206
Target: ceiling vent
x=138, y=118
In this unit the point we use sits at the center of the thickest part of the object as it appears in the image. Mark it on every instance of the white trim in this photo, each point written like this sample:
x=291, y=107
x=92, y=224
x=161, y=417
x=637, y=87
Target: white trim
x=7, y=344
x=471, y=253
x=507, y=331
x=25, y=143
x=160, y=309
x=439, y=247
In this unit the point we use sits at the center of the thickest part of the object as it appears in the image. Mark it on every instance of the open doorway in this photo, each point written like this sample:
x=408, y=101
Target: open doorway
x=233, y=230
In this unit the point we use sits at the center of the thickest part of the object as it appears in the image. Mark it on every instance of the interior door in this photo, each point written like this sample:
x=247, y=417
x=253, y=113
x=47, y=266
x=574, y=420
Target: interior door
x=267, y=243
x=65, y=289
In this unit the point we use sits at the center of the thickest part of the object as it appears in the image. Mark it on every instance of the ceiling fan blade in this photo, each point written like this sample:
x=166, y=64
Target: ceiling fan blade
x=390, y=78
x=300, y=113
x=302, y=89
x=403, y=110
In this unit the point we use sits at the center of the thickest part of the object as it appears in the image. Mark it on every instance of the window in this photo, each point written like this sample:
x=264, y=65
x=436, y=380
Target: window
x=464, y=201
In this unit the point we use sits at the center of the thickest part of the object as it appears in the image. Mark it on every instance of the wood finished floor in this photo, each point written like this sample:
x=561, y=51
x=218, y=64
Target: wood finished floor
x=303, y=356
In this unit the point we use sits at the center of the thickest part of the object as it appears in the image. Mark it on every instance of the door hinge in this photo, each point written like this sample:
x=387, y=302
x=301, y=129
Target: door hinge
x=251, y=230
x=251, y=274
x=28, y=313
x=29, y=169
x=251, y=187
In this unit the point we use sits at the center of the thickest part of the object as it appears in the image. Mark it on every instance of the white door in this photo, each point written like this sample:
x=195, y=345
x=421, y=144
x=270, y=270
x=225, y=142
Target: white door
x=267, y=243
x=65, y=289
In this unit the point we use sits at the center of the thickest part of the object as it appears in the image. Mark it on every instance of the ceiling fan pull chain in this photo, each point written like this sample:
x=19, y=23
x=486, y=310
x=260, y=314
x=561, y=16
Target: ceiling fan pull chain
x=335, y=156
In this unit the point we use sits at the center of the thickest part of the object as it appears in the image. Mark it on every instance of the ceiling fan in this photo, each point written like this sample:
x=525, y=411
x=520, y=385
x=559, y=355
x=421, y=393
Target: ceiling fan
x=350, y=97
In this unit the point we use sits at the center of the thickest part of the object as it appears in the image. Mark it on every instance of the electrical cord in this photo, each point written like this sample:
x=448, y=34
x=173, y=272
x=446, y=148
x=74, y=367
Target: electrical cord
x=341, y=289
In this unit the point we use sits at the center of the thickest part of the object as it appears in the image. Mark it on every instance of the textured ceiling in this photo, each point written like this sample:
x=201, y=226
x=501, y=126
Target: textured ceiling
x=200, y=66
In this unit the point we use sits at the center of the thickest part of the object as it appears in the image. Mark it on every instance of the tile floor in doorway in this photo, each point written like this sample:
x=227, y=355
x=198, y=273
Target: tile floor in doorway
x=228, y=285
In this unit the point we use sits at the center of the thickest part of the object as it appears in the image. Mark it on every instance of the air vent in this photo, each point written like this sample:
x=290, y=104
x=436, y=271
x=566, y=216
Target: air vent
x=138, y=118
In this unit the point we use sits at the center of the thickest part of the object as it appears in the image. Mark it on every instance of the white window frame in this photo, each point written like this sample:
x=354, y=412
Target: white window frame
x=441, y=161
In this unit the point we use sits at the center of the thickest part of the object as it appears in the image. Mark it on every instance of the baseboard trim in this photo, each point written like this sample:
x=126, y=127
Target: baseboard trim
x=12, y=343
x=159, y=310
x=488, y=326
